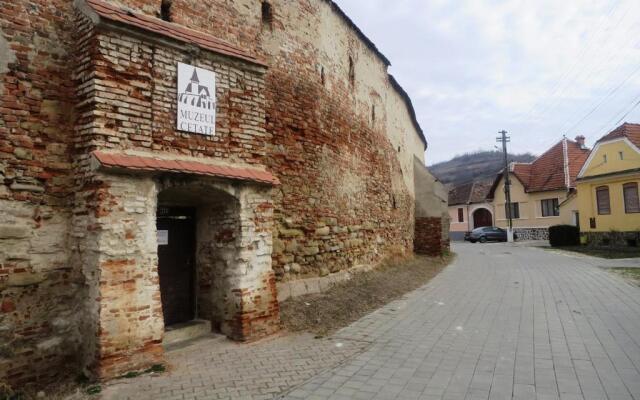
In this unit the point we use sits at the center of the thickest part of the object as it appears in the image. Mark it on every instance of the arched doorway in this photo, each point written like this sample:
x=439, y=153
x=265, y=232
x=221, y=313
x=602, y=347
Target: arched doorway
x=482, y=217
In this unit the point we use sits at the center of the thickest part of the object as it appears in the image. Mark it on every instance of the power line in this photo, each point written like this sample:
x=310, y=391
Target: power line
x=634, y=103
x=577, y=62
x=602, y=101
x=592, y=67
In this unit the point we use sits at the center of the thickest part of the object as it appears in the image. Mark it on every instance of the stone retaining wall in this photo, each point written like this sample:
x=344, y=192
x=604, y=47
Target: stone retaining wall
x=532, y=233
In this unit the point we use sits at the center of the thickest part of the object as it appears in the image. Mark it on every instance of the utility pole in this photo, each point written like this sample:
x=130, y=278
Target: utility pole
x=507, y=183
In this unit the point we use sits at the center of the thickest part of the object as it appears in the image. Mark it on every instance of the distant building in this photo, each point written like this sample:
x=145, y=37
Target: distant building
x=608, y=189
x=469, y=208
x=543, y=191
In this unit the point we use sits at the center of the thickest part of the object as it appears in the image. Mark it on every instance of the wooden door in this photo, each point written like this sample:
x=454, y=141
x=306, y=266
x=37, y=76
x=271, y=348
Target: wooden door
x=482, y=217
x=176, y=259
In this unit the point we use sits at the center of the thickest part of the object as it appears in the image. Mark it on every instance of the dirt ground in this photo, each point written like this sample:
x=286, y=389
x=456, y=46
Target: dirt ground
x=632, y=275
x=348, y=301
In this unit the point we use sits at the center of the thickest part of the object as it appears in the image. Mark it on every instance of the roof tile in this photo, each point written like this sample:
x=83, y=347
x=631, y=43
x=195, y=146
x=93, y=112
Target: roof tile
x=144, y=163
x=630, y=131
x=547, y=172
x=178, y=32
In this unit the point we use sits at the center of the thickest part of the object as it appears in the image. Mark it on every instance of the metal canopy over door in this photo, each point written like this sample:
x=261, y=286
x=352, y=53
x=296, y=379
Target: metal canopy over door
x=176, y=263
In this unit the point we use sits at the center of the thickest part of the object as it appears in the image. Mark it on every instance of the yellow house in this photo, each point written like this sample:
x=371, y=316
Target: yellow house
x=542, y=192
x=608, y=189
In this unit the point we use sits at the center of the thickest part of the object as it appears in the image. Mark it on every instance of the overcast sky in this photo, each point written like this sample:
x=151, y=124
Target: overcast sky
x=536, y=68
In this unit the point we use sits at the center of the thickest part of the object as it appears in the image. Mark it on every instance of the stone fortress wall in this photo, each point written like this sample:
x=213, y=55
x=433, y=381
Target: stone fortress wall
x=322, y=115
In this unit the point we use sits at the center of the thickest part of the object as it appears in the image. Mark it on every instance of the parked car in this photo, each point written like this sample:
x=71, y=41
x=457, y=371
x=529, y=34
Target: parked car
x=486, y=234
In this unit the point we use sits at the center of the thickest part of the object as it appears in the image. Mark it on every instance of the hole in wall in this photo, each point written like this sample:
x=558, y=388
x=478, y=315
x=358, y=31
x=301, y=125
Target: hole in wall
x=165, y=10
x=373, y=114
x=322, y=77
x=267, y=14
x=352, y=71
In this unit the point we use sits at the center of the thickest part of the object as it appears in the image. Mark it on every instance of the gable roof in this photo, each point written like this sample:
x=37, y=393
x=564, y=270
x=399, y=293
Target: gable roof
x=555, y=169
x=626, y=130
x=470, y=193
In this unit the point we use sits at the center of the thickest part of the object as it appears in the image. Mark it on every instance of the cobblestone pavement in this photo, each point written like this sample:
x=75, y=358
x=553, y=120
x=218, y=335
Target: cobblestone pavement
x=217, y=368
x=502, y=322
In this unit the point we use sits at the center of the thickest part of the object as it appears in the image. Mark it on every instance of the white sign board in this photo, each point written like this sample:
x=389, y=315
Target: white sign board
x=163, y=237
x=196, y=100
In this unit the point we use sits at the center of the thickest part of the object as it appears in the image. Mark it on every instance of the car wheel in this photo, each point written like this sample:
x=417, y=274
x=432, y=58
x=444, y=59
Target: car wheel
x=483, y=239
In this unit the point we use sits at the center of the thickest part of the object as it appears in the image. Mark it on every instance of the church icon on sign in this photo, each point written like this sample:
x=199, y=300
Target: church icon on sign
x=197, y=95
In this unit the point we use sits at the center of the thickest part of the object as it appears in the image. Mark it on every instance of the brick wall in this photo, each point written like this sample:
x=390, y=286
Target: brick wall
x=431, y=236
x=346, y=168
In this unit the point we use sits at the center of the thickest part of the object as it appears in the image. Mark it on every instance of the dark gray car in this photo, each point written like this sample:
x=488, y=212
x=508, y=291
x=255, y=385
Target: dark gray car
x=486, y=234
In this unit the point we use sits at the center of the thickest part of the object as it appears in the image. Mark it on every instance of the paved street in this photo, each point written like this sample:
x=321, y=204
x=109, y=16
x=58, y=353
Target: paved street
x=502, y=322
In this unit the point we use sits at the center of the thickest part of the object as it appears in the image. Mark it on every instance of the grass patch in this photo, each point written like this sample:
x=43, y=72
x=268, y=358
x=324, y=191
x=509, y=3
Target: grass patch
x=630, y=274
x=348, y=301
x=603, y=252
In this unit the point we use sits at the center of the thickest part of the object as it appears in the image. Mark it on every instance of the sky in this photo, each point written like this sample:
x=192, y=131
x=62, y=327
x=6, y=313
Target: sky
x=539, y=69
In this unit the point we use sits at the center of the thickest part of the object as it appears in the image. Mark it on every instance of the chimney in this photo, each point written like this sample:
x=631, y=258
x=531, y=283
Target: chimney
x=580, y=140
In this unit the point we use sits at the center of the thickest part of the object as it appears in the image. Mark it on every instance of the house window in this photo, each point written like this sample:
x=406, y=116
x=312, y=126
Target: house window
x=460, y=215
x=604, y=158
x=550, y=208
x=621, y=155
x=514, y=210
x=631, y=201
x=602, y=198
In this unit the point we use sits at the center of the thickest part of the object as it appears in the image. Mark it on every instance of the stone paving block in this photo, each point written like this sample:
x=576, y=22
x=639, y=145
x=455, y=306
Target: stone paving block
x=505, y=322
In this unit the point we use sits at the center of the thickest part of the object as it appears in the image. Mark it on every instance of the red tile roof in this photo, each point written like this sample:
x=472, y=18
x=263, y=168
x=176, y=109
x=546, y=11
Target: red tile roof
x=470, y=193
x=547, y=172
x=143, y=163
x=630, y=131
x=128, y=17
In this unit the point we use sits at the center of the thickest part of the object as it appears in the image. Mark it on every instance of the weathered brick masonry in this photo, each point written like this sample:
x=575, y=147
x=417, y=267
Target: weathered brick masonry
x=305, y=96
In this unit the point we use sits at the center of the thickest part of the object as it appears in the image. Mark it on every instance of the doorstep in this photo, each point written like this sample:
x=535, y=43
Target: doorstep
x=187, y=331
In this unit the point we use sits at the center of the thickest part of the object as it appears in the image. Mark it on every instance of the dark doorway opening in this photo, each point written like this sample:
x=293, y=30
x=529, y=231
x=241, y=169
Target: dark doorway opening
x=176, y=229
x=482, y=217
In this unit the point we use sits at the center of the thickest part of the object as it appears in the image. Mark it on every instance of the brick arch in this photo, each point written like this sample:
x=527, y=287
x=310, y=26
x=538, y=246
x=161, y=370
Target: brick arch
x=482, y=217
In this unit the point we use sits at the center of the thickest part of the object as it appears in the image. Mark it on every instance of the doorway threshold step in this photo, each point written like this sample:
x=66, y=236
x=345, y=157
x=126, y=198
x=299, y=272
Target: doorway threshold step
x=186, y=331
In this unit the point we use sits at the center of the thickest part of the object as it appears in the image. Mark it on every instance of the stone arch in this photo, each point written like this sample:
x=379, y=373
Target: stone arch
x=232, y=253
x=482, y=217
x=119, y=253
x=217, y=234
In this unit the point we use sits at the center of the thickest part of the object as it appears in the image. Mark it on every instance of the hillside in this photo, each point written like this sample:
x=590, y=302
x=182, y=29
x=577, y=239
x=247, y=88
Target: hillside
x=469, y=167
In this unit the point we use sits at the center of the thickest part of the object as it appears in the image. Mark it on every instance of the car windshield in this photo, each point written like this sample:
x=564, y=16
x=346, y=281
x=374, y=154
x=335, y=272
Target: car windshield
x=478, y=230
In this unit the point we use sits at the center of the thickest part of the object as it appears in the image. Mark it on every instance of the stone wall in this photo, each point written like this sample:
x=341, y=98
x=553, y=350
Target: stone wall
x=343, y=149
x=325, y=132
x=531, y=233
x=431, y=237
x=39, y=288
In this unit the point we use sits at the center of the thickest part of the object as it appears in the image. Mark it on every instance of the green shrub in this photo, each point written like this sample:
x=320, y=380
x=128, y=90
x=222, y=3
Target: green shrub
x=564, y=235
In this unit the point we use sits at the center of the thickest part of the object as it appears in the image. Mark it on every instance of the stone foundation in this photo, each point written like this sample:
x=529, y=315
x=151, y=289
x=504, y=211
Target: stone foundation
x=611, y=239
x=531, y=233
